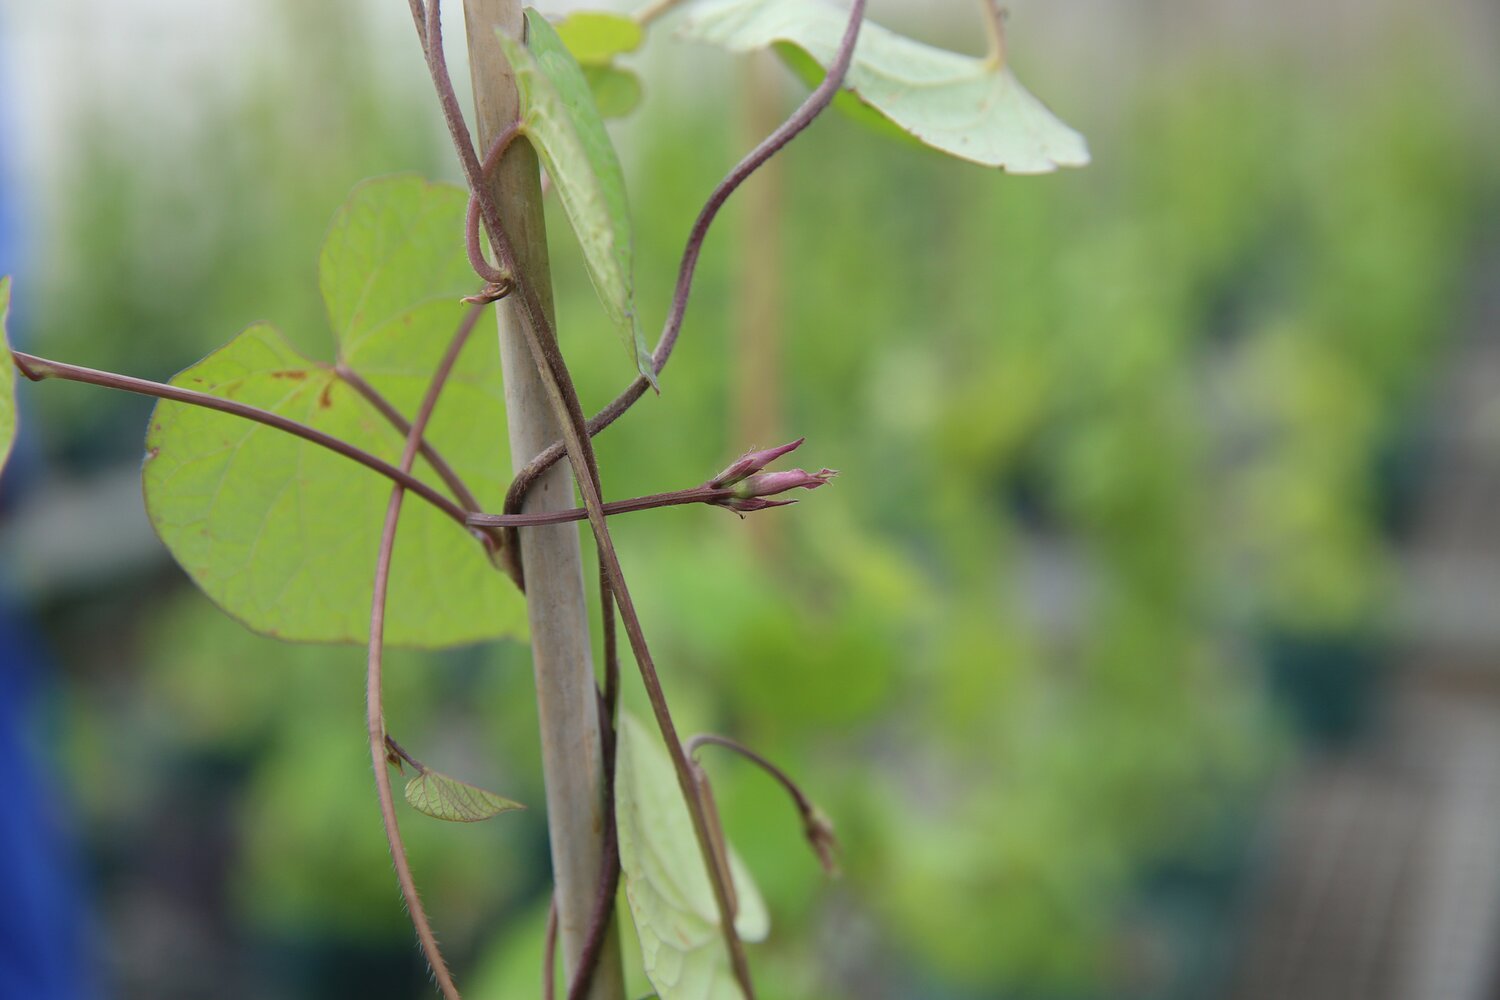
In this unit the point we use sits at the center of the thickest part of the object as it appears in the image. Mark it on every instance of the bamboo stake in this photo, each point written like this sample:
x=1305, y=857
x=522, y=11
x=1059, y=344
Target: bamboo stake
x=567, y=701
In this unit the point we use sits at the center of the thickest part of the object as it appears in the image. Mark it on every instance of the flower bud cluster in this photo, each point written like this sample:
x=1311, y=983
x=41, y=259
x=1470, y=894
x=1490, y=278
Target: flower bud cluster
x=752, y=487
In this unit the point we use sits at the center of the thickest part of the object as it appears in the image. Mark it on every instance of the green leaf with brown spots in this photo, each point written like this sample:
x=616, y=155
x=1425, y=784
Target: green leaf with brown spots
x=282, y=533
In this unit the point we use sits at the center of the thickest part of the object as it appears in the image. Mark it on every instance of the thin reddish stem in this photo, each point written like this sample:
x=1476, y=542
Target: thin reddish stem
x=542, y=343
x=815, y=826
x=800, y=119
x=609, y=863
x=698, y=494
x=386, y=409
x=482, y=267
x=374, y=708
x=429, y=28
x=37, y=369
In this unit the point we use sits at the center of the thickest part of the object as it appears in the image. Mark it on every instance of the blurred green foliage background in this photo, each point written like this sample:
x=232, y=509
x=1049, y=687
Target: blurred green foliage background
x=1124, y=452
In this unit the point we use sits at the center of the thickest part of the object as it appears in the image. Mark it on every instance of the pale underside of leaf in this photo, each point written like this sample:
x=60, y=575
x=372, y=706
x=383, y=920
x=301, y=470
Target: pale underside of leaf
x=282, y=533
x=968, y=107
x=7, y=379
x=441, y=797
x=666, y=882
x=560, y=118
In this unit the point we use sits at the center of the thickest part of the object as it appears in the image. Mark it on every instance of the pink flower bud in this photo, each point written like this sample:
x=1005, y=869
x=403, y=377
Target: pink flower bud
x=751, y=461
x=767, y=484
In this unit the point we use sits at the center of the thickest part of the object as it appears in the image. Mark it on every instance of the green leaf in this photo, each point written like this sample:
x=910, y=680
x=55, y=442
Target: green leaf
x=281, y=533
x=7, y=380
x=845, y=102
x=971, y=108
x=442, y=797
x=617, y=92
x=595, y=38
x=558, y=114
x=666, y=883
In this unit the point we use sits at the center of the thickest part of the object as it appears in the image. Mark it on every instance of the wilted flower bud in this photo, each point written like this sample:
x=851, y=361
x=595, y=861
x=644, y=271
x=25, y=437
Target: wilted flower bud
x=752, y=461
x=818, y=829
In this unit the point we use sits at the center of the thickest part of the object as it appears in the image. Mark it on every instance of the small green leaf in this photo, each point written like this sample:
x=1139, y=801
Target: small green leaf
x=666, y=883
x=7, y=380
x=442, y=797
x=971, y=108
x=559, y=116
x=617, y=92
x=282, y=533
x=595, y=38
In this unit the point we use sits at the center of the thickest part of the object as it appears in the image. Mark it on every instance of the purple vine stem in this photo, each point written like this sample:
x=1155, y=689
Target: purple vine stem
x=815, y=825
x=374, y=708
x=482, y=267
x=799, y=120
x=698, y=494
x=558, y=382
x=386, y=409
x=37, y=369
x=542, y=343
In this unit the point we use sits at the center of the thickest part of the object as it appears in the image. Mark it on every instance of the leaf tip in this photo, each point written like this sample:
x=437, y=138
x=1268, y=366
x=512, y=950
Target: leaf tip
x=435, y=794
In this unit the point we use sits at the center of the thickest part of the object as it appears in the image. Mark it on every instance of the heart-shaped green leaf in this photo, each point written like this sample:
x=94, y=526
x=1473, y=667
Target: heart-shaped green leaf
x=972, y=108
x=560, y=118
x=442, y=797
x=666, y=883
x=281, y=533
x=7, y=380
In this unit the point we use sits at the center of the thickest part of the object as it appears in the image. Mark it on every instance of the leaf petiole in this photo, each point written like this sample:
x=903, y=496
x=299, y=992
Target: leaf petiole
x=38, y=369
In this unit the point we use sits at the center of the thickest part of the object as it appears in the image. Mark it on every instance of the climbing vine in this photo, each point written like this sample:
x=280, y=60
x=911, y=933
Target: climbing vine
x=272, y=476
